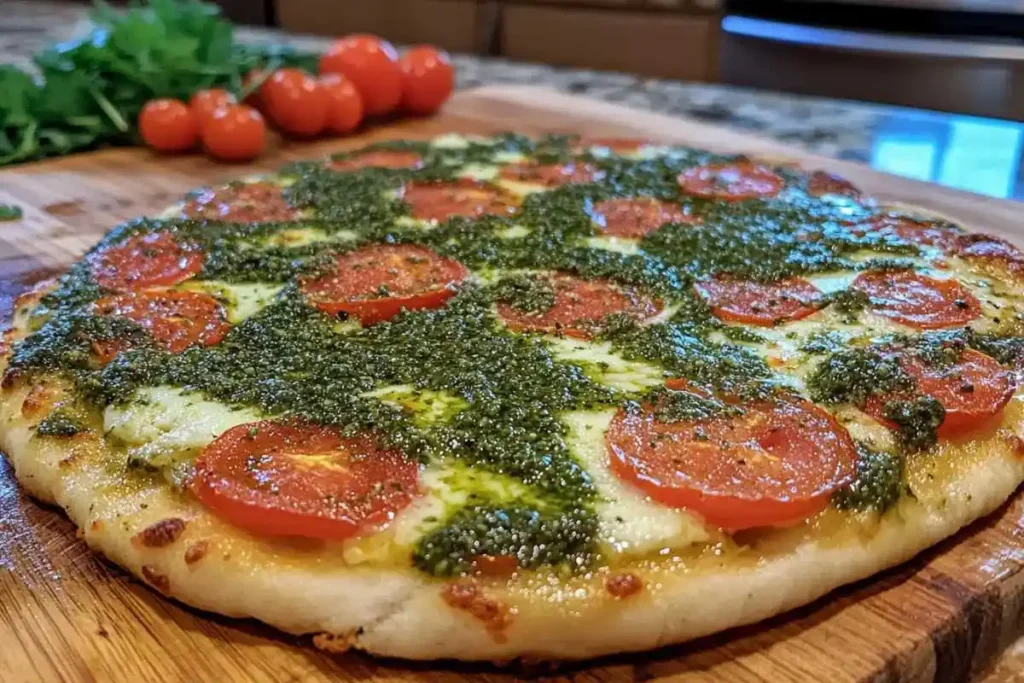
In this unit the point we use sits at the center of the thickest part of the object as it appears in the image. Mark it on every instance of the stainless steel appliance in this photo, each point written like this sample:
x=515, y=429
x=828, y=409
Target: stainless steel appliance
x=955, y=55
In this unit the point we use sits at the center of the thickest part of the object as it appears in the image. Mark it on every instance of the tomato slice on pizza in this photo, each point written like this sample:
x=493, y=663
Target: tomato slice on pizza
x=776, y=462
x=731, y=182
x=381, y=158
x=150, y=260
x=635, y=217
x=439, y=201
x=918, y=300
x=377, y=282
x=241, y=203
x=176, y=319
x=764, y=304
x=580, y=306
x=552, y=175
x=297, y=479
x=972, y=390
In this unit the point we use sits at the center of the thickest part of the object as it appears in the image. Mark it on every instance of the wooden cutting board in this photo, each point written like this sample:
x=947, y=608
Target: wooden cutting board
x=66, y=615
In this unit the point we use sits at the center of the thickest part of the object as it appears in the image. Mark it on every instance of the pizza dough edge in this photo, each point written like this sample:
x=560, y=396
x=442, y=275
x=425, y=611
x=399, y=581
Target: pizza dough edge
x=401, y=613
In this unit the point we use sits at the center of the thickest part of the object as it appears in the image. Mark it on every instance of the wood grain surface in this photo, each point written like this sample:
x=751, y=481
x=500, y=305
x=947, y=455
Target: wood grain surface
x=66, y=615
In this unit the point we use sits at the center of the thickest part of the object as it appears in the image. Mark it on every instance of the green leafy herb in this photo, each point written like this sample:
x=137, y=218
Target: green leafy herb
x=92, y=89
x=9, y=212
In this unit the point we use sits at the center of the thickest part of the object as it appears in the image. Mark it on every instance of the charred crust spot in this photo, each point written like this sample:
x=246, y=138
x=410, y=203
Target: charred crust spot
x=335, y=643
x=96, y=525
x=467, y=596
x=1013, y=441
x=161, y=534
x=38, y=399
x=156, y=579
x=10, y=379
x=623, y=585
x=196, y=552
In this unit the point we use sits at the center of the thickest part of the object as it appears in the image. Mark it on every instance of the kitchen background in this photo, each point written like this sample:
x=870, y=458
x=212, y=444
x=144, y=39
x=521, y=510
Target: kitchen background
x=962, y=59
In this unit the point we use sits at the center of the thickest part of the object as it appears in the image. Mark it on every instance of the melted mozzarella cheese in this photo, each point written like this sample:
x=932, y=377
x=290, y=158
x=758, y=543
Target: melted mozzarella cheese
x=630, y=523
x=616, y=244
x=240, y=300
x=426, y=405
x=606, y=367
x=161, y=422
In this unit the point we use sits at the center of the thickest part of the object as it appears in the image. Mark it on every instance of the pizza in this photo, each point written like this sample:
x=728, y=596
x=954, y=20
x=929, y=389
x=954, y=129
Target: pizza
x=489, y=398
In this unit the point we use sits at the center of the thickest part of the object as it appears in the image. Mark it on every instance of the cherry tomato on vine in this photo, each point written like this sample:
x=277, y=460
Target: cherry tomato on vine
x=344, y=104
x=428, y=79
x=205, y=102
x=294, y=102
x=372, y=65
x=168, y=125
x=235, y=133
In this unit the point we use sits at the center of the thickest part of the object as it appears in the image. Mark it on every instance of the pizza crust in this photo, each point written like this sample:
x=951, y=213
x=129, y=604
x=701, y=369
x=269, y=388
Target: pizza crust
x=302, y=589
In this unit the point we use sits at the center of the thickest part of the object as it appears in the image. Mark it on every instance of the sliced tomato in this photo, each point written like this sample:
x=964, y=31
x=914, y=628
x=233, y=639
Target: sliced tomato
x=439, y=201
x=918, y=300
x=776, y=463
x=155, y=259
x=913, y=231
x=297, y=479
x=380, y=158
x=972, y=390
x=731, y=182
x=375, y=283
x=635, y=217
x=580, y=307
x=760, y=303
x=615, y=145
x=176, y=319
x=820, y=183
x=990, y=250
x=552, y=175
x=241, y=203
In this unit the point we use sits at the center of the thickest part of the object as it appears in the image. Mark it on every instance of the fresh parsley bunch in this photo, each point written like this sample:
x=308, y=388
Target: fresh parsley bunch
x=89, y=91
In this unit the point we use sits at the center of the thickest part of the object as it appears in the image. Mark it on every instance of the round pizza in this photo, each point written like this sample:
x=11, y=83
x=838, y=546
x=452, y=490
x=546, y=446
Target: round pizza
x=488, y=398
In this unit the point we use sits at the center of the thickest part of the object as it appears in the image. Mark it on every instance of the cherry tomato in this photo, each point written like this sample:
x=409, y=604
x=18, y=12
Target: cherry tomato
x=344, y=104
x=299, y=479
x=235, y=133
x=372, y=65
x=168, y=126
x=777, y=462
x=295, y=102
x=428, y=78
x=205, y=102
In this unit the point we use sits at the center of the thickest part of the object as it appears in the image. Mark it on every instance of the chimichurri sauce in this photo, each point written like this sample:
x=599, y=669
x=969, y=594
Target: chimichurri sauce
x=290, y=359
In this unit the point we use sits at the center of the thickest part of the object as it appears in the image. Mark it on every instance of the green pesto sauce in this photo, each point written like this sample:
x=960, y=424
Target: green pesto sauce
x=878, y=485
x=535, y=539
x=503, y=391
x=60, y=423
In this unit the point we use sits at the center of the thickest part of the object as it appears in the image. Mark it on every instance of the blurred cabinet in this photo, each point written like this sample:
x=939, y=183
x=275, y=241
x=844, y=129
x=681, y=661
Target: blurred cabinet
x=628, y=37
x=659, y=38
x=456, y=25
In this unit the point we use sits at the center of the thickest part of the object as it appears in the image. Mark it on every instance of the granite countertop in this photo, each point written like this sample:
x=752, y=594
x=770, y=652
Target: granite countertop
x=982, y=155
